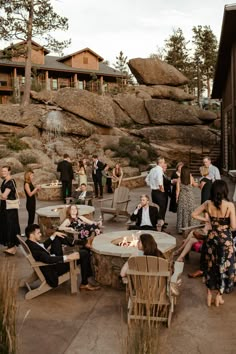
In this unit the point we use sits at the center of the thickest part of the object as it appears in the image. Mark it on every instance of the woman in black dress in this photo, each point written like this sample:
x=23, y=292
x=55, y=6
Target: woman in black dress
x=9, y=220
x=30, y=192
x=174, y=178
x=205, y=184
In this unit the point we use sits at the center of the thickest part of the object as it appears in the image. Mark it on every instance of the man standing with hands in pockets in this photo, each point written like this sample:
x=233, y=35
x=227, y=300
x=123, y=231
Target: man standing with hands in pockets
x=155, y=181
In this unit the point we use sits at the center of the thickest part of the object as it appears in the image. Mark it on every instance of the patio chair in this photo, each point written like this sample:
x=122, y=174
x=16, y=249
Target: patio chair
x=149, y=289
x=38, y=275
x=119, y=203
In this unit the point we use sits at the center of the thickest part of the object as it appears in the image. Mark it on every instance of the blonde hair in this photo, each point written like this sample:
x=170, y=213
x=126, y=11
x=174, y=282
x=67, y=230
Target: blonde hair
x=204, y=171
x=27, y=176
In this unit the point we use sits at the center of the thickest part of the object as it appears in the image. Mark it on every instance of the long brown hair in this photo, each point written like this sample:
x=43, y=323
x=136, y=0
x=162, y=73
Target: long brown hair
x=81, y=164
x=149, y=245
x=68, y=211
x=27, y=176
x=185, y=175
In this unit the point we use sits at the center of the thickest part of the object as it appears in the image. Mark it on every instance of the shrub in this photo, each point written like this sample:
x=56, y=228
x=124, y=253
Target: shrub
x=16, y=144
x=4, y=152
x=26, y=158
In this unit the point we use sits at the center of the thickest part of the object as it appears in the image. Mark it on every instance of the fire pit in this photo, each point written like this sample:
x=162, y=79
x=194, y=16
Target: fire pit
x=50, y=216
x=111, y=250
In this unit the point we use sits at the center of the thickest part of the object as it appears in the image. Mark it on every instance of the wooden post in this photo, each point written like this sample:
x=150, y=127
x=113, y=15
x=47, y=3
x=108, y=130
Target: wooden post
x=47, y=81
x=75, y=81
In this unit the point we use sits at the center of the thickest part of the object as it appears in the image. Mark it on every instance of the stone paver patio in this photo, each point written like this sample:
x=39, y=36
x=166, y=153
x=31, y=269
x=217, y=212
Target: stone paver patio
x=95, y=322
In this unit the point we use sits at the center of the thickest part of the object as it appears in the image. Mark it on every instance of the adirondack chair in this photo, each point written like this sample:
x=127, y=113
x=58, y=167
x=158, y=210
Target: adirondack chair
x=38, y=275
x=119, y=203
x=150, y=296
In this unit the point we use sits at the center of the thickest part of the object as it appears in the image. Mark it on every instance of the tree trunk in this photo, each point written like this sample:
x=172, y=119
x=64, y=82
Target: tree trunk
x=28, y=59
x=208, y=87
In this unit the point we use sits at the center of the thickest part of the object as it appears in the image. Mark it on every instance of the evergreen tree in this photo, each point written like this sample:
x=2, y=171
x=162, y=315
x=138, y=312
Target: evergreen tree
x=176, y=52
x=205, y=55
x=122, y=65
x=27, y=19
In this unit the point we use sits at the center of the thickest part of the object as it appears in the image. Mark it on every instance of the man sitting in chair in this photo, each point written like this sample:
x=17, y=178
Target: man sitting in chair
x=145, y=216
x=81, y=195
x=55, y=259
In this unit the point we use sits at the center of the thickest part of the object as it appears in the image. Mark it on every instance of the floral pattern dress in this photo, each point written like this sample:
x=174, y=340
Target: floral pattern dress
x=84, y=230
x=220, y=259
x=185, y=207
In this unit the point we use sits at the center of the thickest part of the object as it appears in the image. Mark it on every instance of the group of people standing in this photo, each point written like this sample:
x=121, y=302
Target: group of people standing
x=99, y=172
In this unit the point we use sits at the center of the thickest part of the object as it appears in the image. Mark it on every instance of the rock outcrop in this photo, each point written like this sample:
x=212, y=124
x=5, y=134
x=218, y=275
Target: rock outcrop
x=163, y=91
x=153, y=71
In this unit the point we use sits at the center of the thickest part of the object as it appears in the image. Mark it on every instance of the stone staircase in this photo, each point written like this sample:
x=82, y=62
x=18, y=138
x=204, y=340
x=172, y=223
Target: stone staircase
x=196, y=160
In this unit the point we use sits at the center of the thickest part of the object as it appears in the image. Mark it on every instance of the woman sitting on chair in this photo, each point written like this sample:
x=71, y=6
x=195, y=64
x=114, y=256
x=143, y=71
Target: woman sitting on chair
x=86, y=229
x=147, y=247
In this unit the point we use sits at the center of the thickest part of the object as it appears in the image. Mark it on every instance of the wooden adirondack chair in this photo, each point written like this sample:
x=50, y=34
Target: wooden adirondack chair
x=38, y=275
x=150, y=297
x=119, y=203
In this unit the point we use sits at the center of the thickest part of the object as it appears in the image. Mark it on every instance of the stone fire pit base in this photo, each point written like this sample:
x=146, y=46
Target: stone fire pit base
x=108, y=258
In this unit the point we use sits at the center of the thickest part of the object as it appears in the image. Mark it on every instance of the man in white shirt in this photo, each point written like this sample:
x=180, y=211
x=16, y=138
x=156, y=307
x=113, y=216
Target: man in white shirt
x=145, y=215
x=155, y=181
x=214, y=172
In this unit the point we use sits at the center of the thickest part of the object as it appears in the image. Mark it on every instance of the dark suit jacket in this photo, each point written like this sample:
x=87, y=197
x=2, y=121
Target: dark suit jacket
x=41, y=255
x=153, y=214
x=100, y=168
x=66, y=170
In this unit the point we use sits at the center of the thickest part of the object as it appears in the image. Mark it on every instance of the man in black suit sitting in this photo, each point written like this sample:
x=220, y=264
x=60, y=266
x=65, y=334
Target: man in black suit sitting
x=81, y=195
x=145, y=216
x=66, y=176
x=97, y=169
x=55, y=259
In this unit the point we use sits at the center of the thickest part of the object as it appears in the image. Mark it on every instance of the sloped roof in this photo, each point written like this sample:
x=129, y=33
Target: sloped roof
x=227, y=39
x=52, y=63
x=24, y=42
x=79, y=52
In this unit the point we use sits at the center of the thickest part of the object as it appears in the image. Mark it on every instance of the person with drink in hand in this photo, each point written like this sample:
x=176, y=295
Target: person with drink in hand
x=30, y=192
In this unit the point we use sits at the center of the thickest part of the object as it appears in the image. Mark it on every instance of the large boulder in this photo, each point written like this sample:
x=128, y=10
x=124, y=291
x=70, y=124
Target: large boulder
x=206, y=116
x=61, y=122
x=177, y=134
x=134, y=108
x=92, y=107
x=153, y=71
x=121, y=117
x=43, y=96
x=170, y=112
x=164, y=91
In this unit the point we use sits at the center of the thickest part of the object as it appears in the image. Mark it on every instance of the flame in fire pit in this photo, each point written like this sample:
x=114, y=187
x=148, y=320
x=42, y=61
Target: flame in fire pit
x=132, y=243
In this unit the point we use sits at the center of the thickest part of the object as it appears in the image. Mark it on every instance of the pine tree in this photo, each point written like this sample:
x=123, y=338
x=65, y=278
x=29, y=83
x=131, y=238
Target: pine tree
x=205, y=56
x=176, y=51
x=26, y=19
x=122, y=65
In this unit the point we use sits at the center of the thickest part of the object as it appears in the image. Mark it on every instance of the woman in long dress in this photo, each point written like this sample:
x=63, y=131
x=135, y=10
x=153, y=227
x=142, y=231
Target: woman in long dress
x=219, y=272
x=9, y=220
x=82, y=173
x=117, y=175
x=30, y=193
x=185, y=199
x=174, y=178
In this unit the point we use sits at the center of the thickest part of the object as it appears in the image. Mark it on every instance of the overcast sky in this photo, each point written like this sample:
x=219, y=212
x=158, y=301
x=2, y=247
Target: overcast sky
x=136, y=27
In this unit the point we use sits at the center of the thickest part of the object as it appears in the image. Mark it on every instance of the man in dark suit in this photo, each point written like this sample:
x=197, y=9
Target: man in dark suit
x=145, y=216
x=66, y=177
x=81, y=195
x=55, y=259
x=97, y=169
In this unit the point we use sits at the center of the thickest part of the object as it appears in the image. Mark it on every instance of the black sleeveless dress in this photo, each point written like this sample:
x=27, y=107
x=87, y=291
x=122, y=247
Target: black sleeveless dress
x=219, y=269
x=30, y=204
x=9, y=220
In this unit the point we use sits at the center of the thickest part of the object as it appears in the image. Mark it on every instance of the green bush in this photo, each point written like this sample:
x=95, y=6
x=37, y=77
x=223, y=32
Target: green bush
x=16, y=144
x=26, y=158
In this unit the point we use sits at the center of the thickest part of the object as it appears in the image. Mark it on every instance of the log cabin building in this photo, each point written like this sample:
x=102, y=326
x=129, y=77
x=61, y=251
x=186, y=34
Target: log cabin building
x=224, y=88
x=83, y=69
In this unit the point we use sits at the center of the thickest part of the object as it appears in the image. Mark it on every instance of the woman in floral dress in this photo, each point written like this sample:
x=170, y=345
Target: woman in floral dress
x=86, y=229
x=219, y=271
x=185, y=198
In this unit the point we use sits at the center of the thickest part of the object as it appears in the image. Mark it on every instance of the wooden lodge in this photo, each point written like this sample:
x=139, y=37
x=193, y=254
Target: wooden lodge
x=224, y=88
x=83, y=69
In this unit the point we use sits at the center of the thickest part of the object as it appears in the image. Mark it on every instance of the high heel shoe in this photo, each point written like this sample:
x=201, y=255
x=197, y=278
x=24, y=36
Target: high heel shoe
x=219, y=300
x=209, y=299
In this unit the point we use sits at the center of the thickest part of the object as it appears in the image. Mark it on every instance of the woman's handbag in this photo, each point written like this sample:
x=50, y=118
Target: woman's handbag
x=15, y=203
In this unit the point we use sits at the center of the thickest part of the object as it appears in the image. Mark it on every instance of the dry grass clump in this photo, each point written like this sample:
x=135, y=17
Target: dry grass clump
x=8, y=291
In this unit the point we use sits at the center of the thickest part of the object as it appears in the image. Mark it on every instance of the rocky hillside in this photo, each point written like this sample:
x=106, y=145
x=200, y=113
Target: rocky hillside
x=153, y=118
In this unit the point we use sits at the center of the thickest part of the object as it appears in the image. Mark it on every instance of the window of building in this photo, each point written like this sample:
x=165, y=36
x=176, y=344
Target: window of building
x=3, y=83
x=22, y=80
x=54, y=84
x=85, y=60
